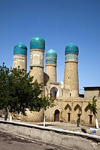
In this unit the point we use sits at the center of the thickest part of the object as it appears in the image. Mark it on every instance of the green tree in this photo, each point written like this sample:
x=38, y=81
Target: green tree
x=93, y=107
x=18, y=91
x=4, y=88
x=24, y=93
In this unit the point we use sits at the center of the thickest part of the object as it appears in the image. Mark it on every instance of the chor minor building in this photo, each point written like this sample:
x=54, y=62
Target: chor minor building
x=69, y=104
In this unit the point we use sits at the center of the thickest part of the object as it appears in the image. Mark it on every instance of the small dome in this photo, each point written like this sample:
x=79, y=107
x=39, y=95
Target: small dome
x=21, y=49
x=51, y=54
x=37, y=42
x=71, y=49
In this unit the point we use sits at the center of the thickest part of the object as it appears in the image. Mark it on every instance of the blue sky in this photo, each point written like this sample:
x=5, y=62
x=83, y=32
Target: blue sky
x=59, y=22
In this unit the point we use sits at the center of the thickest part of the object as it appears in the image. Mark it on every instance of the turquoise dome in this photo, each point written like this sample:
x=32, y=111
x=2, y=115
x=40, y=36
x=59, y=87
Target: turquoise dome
x=71, y=49
x=51, y=54
x=37, y=42
x=20, y=48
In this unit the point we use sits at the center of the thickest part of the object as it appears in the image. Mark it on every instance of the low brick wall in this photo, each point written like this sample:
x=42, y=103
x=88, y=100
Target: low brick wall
x=57, y=137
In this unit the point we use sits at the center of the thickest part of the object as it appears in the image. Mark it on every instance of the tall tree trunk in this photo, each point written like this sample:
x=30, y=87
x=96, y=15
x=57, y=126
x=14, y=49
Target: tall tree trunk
x=44, y=118
x=97, y=125
x=11, y=116
x=6, y=115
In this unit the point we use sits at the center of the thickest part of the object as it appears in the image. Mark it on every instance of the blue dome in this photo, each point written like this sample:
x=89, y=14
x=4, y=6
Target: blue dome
x=21, y=49
x=37, y=42
x=71, y=49
x=51, y=54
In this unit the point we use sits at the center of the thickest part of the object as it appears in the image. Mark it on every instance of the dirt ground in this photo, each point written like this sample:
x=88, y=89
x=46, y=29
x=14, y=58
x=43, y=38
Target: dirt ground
x=12, y=142
x=69, y=127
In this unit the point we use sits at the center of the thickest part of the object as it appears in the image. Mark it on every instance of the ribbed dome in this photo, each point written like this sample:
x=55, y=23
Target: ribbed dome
x=37, y=42
x=20, y=48
x=71, y=49
x=51, y=54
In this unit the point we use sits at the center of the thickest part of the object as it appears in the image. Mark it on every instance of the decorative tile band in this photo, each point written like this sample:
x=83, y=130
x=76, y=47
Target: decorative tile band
x=20, y=60
x=51, y=61
x=71, y=57
x=37, y=58
x=20, y=56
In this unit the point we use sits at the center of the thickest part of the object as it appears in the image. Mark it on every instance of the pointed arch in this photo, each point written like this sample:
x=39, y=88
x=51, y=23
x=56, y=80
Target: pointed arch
x=68, y=112
x=54, y=92
x=68, y=107
x=86, y=109
x=77, y=107
x=57, y=109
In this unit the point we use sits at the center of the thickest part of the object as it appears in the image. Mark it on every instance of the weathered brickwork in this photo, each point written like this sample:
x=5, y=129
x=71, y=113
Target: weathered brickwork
x=20, y=61
x=71, y=78
x=74, y=107
x=68, y=103
x=51, y=71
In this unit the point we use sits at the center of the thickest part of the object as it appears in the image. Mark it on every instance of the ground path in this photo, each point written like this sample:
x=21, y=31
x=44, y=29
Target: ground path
x=69, y=127
x=12, y=142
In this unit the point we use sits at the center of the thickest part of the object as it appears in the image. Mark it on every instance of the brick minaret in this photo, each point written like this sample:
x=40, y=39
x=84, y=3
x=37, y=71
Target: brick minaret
x=51, y=61
x=20, y=56
x=71, y=70
x=37, y=48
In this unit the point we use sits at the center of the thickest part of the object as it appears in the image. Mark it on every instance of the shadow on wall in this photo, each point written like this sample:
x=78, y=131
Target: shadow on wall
x=54, y=93
x=46, y=79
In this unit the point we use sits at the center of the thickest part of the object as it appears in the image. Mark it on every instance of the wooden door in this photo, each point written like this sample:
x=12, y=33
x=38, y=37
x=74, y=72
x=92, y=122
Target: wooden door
x=56, y=117
x=90, y=119
x=68, y=116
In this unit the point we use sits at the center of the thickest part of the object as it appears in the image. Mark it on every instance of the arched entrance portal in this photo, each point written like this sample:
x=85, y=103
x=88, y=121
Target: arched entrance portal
x=54, y=92
x=56, y=115
x=68, y=111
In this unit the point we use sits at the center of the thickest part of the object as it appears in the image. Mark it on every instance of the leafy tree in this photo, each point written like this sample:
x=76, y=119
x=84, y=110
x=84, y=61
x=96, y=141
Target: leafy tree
x=93, y=107
x=4, y=87
x=18, y=91
x=24, y=92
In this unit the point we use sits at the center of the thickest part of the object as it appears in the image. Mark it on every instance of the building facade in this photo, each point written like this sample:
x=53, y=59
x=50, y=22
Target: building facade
x=69, y=104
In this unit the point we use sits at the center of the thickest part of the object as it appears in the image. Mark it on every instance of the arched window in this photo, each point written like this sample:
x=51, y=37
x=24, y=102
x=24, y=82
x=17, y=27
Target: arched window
x=54, y=92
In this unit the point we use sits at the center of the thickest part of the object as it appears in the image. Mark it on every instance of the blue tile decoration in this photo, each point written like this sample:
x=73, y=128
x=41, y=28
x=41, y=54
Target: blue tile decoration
x=51, y=61
x=71, y=49
x=51, y=54
x=51, y=57
x=21, y=49
x=71, y=57
x=37, y=42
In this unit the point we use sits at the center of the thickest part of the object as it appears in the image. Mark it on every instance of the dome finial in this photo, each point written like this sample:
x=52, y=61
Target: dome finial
x=71, y=49
x=20, y=48
x=37, y=42
x=51, y=54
